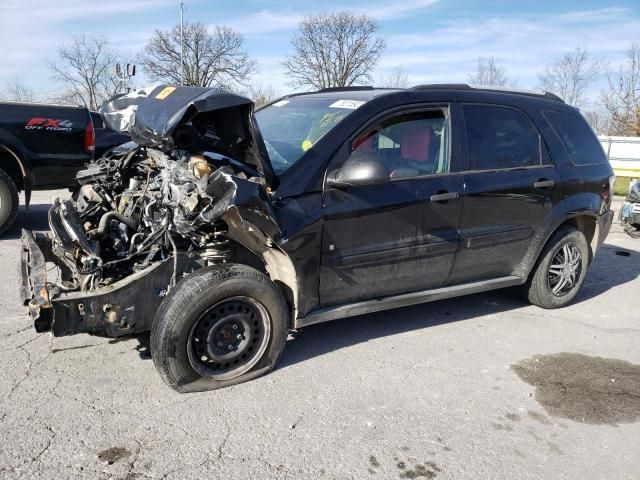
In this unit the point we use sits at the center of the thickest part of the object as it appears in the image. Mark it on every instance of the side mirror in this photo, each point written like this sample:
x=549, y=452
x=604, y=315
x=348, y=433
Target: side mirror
x=359, y=169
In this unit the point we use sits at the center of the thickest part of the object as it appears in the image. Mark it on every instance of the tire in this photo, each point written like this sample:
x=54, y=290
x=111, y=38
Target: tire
x=192, y=329
x=632, y=230
x=8, y=201
x=544, y=287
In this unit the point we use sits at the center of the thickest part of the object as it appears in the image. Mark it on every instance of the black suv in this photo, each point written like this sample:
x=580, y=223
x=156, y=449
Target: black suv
x=224, y=230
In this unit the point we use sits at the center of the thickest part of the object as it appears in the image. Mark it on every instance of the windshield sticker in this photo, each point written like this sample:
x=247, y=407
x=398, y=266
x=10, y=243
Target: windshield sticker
x=281, y=103
x=348, y=104
x=165, y=93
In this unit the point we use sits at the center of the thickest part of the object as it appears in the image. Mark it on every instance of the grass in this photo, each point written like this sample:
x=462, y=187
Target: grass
x=622, y=186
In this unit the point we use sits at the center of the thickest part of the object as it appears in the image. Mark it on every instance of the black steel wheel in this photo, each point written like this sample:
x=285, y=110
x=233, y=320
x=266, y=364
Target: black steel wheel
x=229, y=338
x=220, y=326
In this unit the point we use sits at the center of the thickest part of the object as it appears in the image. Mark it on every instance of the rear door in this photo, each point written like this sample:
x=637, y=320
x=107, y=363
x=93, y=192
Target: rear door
x=393, y=238
x=510, y=187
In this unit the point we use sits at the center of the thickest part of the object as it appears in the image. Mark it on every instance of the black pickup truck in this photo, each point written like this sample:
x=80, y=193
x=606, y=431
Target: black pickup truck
x=41, y=147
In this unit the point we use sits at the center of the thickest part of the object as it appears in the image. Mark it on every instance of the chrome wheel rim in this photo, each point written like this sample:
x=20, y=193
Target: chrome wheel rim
x=564, y=270
x=229, y=338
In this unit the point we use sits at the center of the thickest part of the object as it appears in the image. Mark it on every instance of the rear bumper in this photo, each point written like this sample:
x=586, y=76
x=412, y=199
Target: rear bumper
x=604, y=226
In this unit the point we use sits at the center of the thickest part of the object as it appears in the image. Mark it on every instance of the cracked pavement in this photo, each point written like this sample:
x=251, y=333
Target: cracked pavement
x=425, y=391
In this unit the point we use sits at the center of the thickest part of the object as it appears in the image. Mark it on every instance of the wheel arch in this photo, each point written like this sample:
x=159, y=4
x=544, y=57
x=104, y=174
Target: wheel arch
x=584, y=221
x=277, y=264
x=14, y=165
x=588, y=224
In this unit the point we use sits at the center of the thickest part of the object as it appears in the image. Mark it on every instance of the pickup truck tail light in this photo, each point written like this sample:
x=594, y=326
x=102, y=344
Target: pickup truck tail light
x=89, y=137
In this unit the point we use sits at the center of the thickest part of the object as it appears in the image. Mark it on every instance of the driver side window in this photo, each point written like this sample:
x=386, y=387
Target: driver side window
x=409, y=145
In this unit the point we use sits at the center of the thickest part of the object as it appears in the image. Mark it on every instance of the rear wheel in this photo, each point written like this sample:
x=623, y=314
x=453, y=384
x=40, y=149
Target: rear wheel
x=560, y=271
x=221, y=326
x=8, y=201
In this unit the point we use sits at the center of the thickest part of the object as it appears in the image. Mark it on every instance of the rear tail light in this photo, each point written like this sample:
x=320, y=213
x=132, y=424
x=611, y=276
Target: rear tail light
x=608, y=188
x=89, y=137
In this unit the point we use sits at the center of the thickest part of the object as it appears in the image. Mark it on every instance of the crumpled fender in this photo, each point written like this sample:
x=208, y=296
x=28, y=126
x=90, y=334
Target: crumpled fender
x=634, y=193
x=247, y=197
x=248, y=212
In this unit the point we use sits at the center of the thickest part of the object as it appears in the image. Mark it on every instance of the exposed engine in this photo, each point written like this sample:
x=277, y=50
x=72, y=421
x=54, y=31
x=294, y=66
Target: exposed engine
x=140, y=206
x=193, y=190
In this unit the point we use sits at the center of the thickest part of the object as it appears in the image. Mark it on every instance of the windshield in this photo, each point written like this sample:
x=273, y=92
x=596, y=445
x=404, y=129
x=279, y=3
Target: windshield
x=292, y=126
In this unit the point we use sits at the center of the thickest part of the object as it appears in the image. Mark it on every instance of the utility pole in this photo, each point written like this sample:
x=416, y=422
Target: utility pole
x=182, y=43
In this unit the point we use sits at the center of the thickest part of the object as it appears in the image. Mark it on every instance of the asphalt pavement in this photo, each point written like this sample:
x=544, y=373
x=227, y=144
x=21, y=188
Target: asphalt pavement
x=479, y=387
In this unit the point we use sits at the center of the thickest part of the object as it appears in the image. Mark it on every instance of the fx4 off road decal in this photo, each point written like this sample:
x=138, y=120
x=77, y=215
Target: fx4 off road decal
x=49, y=124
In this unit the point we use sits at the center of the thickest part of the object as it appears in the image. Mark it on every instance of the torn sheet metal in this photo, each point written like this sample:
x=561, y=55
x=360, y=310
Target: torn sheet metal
x=146, y=216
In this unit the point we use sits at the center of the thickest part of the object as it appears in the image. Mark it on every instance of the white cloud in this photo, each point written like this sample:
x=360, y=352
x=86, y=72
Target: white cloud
x=437, y=51
x=266, y=21
x=69, y=9
x=390, y=10
x=287, y=19
x=523, y=45
x=31, y=30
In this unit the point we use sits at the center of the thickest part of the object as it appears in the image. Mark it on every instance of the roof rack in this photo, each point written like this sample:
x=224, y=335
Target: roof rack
x=442, y=86
x=346, y=89
x=464, y=86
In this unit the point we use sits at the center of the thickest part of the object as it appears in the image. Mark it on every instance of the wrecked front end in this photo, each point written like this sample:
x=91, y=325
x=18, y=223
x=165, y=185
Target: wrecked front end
x=192, y=192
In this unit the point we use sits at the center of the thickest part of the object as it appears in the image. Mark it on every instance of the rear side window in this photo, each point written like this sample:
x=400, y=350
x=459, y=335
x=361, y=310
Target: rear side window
x=577, y=138
x=500, y=138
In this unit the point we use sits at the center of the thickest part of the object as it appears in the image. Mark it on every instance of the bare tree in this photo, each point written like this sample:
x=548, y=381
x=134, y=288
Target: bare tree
x=67, y=97
x=86, y=69
x=16, y=91
x=571, y=76
x=601, y=121
x=211, y=58
x=397, y=78
x=261, y=94
x=488, y=73
x=333, y=50
x=622, y=100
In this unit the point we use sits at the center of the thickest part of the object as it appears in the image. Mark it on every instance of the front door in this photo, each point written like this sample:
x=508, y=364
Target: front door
x=401, y=236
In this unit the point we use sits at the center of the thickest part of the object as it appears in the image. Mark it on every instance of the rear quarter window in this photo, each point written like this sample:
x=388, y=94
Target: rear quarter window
x=576, y=136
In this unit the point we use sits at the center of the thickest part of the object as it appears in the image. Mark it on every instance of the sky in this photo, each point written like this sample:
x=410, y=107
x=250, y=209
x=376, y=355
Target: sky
x=434, y=41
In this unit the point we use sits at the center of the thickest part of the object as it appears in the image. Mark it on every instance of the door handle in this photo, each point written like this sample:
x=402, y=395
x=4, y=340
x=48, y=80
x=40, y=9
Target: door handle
x=443, y=197
x=542, y=183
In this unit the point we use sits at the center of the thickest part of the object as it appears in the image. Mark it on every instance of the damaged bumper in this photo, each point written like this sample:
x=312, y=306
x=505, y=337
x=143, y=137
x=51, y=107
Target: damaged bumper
x=34, y=288
x=604, y=223
x=124, y=307
x=194, y=192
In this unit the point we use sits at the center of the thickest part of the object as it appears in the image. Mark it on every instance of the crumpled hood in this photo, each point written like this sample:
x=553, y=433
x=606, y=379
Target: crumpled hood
x=195, y=119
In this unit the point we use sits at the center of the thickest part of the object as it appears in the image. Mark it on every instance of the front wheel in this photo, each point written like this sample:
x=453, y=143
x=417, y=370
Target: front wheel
x=220, y=326
x=560, y=270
